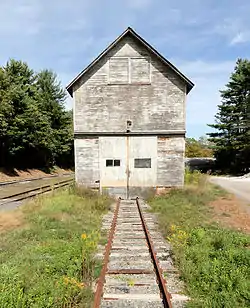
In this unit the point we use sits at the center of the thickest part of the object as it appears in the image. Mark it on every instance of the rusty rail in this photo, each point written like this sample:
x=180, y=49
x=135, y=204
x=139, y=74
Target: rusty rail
x=165, y=295
x=101, y=280
x=37, y=191
x=161, y=281
x=35, y=179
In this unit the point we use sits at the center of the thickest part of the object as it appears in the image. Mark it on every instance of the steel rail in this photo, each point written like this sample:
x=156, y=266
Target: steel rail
x=101, y=280
x=35, y=179
x=39, y=190
x=165, y=295
x=161, y=281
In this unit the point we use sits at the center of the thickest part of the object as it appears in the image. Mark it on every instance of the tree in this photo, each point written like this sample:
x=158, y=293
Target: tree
x=198, y=148
x=51, y=101
x=35, y=128
x=232, y=122
x=17, y=95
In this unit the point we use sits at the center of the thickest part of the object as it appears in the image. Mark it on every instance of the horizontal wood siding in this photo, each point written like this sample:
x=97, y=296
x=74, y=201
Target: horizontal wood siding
x=170, y=168
x=118, y=70
x=155, y=106
x=140, y=70
x=87, y=161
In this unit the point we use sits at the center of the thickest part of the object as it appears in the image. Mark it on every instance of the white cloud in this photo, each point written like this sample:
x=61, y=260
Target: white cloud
x=234, y=26
x=65, y=36
x=241, y=37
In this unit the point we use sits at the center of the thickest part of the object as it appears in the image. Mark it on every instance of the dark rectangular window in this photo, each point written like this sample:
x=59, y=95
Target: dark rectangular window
x=142, y=163
x=109, y=162
x=117, y=162
x=113, y=162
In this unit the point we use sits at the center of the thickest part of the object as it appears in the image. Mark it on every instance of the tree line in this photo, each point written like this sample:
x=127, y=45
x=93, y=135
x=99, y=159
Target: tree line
x=35, y=129
x=200, y=147
x=231, y=137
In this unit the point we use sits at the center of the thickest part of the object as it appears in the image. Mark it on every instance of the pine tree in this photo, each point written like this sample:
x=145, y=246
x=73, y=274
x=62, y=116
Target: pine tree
x=51, y=102
x=35, y=128
x=232, y=122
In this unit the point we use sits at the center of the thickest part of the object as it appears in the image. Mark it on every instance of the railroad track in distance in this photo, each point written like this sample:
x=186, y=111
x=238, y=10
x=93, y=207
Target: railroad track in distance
x=33, y=192
x=34, y=179
x=131, y=275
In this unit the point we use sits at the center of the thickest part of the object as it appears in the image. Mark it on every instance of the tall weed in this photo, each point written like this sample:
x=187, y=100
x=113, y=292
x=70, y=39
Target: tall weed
x=50, y=263
x=214, y=262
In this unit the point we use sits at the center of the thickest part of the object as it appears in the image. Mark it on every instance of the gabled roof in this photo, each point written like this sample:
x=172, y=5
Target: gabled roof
x=130, y=31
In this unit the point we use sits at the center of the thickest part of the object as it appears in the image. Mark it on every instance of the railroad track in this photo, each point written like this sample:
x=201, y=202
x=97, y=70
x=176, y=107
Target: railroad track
x=34, y=179
x=132, y=275
x=33, y=192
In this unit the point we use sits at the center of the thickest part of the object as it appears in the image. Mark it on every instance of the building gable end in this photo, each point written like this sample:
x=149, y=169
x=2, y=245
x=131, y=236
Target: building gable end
x=130, y=32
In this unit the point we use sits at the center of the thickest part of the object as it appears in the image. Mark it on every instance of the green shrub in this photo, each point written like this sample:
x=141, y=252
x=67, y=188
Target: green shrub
x=193, y=177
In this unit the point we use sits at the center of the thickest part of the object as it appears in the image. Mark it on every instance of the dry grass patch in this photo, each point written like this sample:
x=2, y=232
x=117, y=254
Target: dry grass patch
x=11, y=220
x=229, y=213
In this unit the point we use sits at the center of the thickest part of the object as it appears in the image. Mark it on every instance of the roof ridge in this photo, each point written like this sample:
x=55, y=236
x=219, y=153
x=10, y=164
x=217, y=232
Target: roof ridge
x=143, y=42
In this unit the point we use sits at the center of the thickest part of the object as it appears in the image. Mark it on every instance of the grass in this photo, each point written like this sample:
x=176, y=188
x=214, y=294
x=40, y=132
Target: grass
x=48, y=260
x=214, y=262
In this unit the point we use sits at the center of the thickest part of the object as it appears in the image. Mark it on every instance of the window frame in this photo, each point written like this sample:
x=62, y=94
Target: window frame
x=117, y=161
x=129, y=71
x=113, y=162
x=109, y=165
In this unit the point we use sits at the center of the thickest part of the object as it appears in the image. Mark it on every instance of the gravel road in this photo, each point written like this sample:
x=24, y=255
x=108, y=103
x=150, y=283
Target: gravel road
x=240, y=187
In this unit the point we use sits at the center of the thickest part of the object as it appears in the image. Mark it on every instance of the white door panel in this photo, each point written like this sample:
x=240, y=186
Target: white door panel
x=112, y=149
x=142, y=161
x=128, y=161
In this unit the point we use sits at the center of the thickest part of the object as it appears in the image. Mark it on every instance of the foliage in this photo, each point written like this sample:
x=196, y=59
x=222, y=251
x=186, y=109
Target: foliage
x=194, y=177
x=232, y=122
x=35, y=129
x=49, y=261
x=198, y=148
x=214, y=262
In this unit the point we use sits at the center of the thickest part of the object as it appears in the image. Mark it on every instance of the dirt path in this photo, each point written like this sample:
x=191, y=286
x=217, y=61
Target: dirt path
x=233, y=210
x=240, y=187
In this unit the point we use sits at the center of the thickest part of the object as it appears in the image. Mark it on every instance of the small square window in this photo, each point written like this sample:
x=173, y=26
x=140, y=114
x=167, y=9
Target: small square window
x=142, y=163
x=109, y=162
x=113, y=162
x=117, y=162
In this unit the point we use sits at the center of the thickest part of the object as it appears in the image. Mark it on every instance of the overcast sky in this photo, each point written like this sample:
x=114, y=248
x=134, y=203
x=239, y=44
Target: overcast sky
x=203, y=38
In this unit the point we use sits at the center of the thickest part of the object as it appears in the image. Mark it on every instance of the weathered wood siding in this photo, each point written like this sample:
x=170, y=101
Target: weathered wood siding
x=87, y=161
x=151, y=95
x=170, y=168
x=130, y=84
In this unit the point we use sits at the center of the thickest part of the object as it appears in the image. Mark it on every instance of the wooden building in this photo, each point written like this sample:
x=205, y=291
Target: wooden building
x=129, y=119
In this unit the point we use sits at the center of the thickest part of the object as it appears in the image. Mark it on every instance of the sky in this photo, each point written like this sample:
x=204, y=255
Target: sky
x=203, y=38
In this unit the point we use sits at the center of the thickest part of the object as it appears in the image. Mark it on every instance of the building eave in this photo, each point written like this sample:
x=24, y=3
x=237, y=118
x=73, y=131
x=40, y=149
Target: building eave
x=188, y=82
